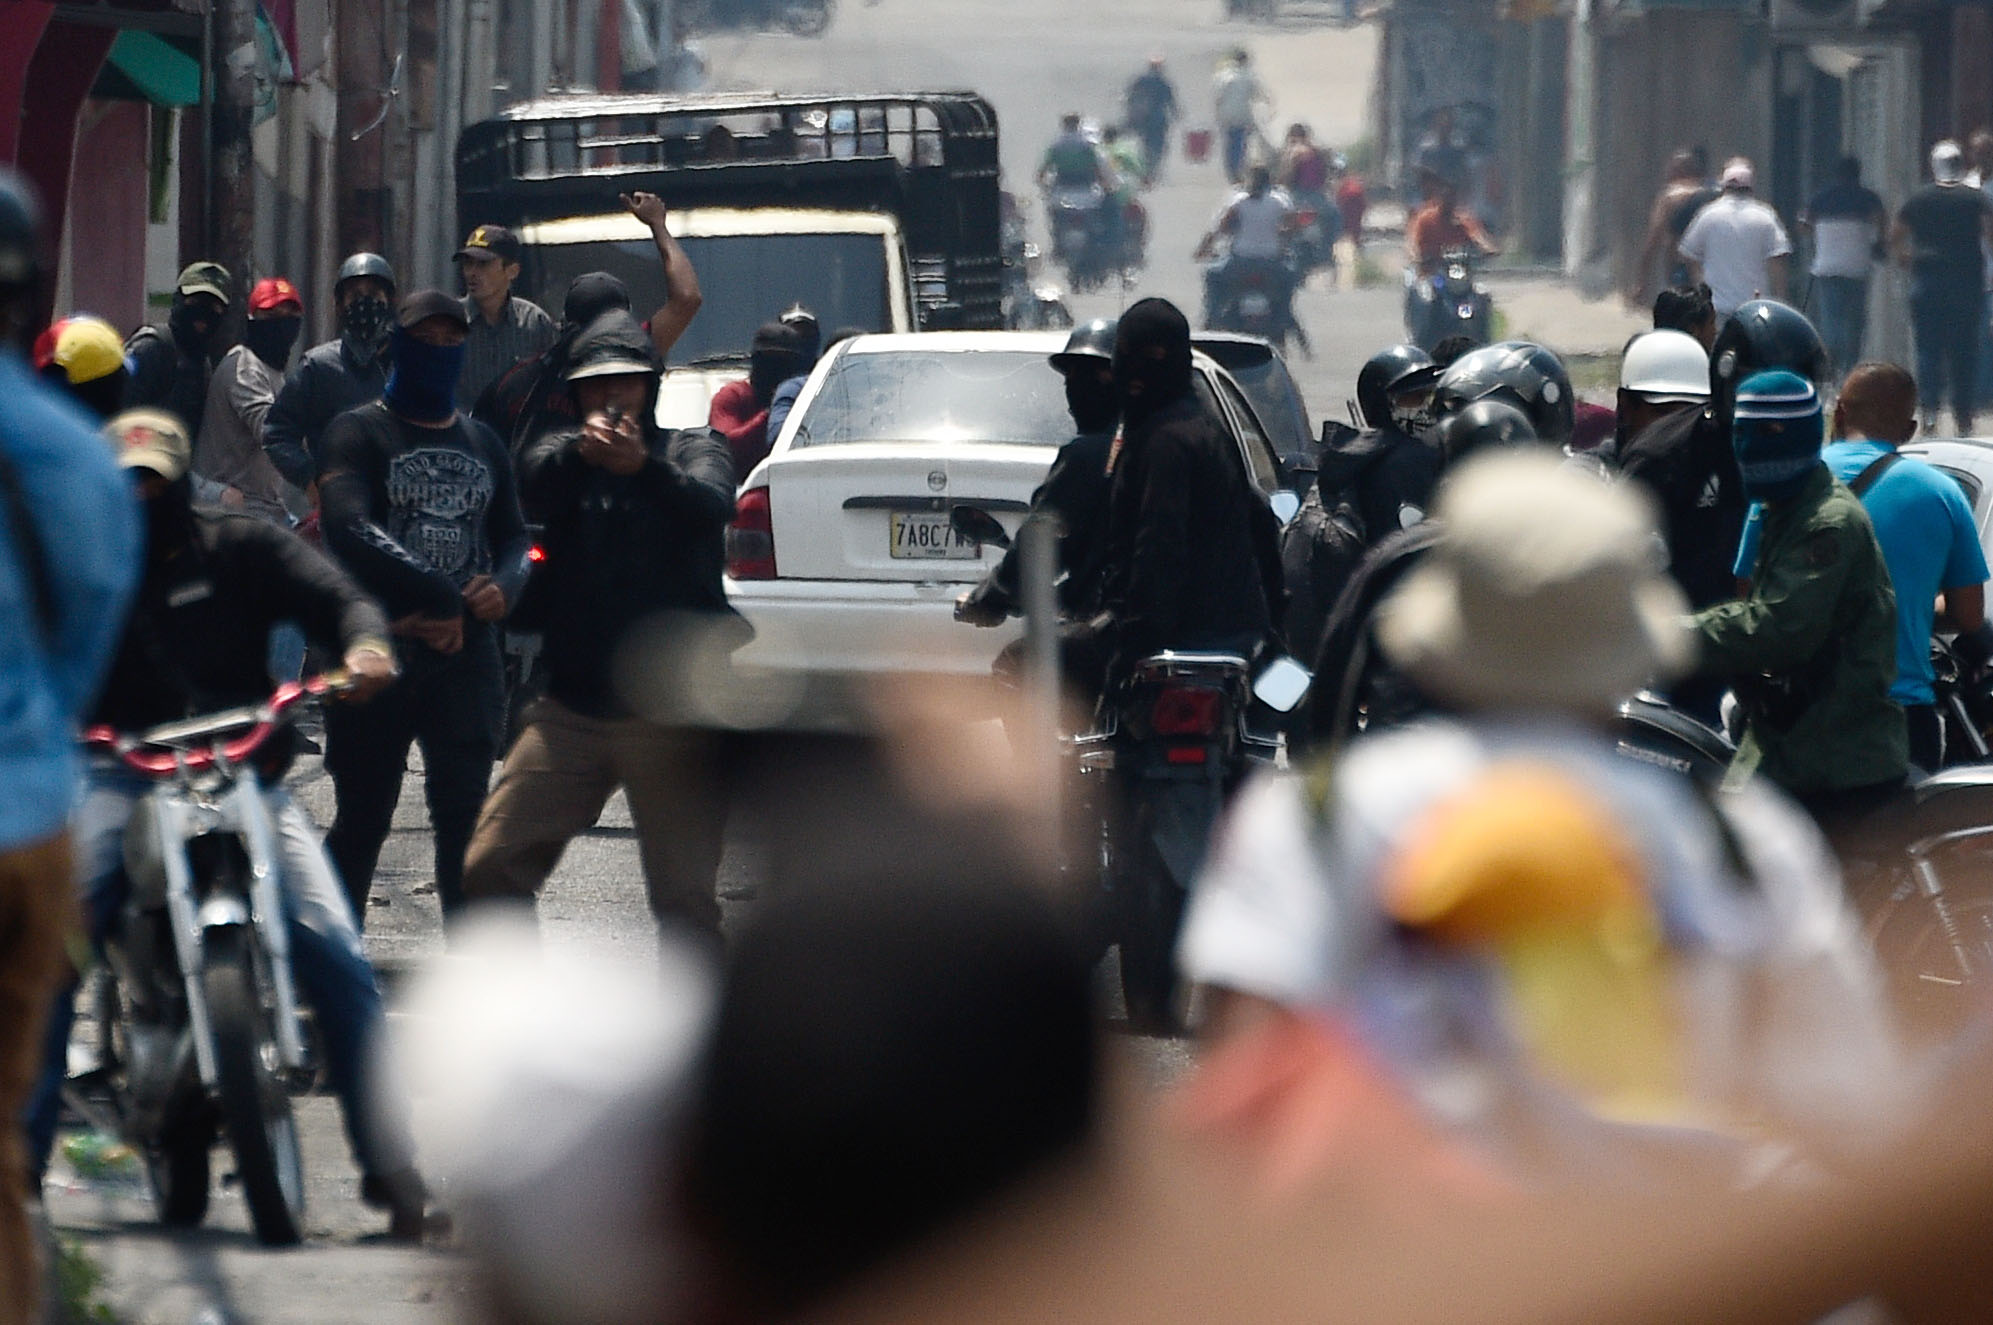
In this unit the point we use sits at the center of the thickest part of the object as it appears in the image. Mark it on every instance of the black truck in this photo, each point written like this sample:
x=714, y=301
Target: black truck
x=876, y=211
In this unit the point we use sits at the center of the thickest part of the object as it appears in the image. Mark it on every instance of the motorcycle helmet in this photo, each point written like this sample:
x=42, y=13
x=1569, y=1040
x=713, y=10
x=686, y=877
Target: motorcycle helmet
x=1665, y=367
x=1760, y=335
x=1395, y=371
x=1090, y=341
x=365, y=264
x=1482, y=426
x=1526, y=375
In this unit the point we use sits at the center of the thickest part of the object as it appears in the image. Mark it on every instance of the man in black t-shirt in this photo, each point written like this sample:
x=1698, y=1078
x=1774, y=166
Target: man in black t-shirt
x=1938, y=235
x=419, y=502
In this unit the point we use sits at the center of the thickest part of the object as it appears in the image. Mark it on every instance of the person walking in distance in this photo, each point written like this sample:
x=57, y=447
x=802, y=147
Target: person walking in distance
x=1938, y=236
x=1151, y=108
x=419, y=502
x=1683, y=193
x=1736, y=244
x=504, y=327
x=1846, y=221
x=632, y=597
x=1238, y=95
x=60, y=490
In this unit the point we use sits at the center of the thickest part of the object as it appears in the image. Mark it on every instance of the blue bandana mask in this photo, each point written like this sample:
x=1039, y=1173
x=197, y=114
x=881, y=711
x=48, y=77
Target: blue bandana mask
x=422, y=383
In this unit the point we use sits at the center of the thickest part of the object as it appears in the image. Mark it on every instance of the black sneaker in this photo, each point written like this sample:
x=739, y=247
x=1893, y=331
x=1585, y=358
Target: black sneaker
x=406, y=1198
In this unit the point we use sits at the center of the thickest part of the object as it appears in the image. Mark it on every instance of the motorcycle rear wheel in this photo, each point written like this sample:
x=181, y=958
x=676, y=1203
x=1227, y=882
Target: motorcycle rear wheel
x=255, y=1107
x=1936, y=973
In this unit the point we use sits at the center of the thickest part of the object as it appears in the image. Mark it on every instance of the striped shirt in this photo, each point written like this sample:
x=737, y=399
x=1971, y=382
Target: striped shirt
x=523, y=329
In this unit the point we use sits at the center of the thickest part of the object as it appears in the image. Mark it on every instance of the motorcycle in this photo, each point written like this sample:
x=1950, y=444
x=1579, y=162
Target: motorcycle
x=1028, y=303
x=1313, y=241
x=1451, y=302
x=198, y=1018
x=1077, y=221
x=804, y=18
x=1256, y=298
x=1167, y=749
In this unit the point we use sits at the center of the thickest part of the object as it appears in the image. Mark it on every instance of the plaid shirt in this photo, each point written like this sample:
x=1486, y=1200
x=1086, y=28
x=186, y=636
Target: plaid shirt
x=523, y=330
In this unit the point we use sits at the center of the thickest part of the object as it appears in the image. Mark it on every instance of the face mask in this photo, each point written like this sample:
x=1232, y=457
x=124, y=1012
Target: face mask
x=192, y=326
x=1094, y=404
x=169, y=520
x=367, y=321
x=103, y=396
x=422, y=385
x=270, y=338
x=1152, y=353
x=766, y=371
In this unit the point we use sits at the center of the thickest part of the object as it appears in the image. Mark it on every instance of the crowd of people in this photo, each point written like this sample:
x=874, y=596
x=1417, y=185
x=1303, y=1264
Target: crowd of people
x=1463, y=933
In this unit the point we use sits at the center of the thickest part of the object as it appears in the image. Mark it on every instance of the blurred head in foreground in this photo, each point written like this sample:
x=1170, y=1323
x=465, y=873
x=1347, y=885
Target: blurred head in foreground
x=888, y=1058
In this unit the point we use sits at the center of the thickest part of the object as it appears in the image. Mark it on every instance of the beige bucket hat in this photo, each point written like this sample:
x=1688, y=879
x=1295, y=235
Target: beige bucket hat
x=1547, y=590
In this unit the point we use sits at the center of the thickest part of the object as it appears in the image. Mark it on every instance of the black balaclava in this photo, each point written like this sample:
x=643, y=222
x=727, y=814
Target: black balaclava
x=1094, y=403
x=590, y=296
x=776, y=356
x=364, y=325
x=192, y=323
x=1152, y=350
x=270, y=338
x=169, y=520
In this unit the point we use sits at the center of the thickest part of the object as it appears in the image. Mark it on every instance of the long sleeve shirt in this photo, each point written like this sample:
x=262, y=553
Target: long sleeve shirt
x=230, y=451
x=86, y=525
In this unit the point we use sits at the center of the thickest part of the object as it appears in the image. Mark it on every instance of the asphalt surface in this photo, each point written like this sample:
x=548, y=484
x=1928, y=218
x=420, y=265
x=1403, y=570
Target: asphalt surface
x=1033, y=58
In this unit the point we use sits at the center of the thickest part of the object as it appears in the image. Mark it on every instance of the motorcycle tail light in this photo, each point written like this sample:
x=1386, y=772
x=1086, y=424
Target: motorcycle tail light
x=1305, y=217
x=751, y=538
x=1186, y=754
x=536, y=554
x=1186, y=711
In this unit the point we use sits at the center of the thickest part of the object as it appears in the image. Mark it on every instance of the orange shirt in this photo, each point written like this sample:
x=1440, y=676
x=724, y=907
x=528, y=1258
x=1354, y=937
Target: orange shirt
x=1431, y=234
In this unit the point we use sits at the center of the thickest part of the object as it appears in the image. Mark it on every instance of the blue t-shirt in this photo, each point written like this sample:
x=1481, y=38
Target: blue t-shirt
x=1929, y=542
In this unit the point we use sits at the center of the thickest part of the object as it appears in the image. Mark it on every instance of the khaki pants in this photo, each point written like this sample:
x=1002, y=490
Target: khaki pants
x=559, y=775
x=38, y=910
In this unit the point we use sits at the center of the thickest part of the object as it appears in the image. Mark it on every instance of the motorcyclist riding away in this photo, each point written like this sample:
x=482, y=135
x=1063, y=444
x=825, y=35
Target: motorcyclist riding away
x=1074, y=492
x=1191, y=557
x=1256, y=223
x=1072, y=161
x=214, y=585
x=1440, y=227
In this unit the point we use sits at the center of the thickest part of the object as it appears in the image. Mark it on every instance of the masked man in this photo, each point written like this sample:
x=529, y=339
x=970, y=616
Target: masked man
x=740, y=409
x=170, y=369
x=338, y=375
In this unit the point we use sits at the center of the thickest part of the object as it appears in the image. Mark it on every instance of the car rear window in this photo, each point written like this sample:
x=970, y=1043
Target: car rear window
x=938, y=397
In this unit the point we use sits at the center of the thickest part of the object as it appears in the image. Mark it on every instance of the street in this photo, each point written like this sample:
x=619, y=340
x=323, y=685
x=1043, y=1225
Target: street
x=1033, y=59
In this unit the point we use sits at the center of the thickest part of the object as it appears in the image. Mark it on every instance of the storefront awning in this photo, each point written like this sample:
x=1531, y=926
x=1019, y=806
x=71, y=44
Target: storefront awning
x=155, y=68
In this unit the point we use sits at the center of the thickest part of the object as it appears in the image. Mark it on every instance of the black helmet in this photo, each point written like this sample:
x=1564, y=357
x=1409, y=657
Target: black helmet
x=1090, y=341
x=1481, y=426
x=1526, y=375
x=20, y=229
x=1390, y=371
x=365, y=264
x=1762, y=334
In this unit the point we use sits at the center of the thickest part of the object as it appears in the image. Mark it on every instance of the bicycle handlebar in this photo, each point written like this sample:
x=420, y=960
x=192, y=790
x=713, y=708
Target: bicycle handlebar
x=168, y=750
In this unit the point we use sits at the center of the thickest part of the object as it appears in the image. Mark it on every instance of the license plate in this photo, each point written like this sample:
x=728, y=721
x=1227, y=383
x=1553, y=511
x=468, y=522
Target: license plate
x=927, y=536
x=1255, y=305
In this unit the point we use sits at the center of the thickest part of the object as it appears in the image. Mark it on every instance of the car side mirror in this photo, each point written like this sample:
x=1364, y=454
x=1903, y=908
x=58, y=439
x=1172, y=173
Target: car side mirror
x=978, y=526
x=1285, y=506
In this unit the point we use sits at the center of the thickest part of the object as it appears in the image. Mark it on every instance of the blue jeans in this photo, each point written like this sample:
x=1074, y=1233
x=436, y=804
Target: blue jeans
x=327, y=960
x=1947, y=317
x=1236, y=140
x=1843, y=304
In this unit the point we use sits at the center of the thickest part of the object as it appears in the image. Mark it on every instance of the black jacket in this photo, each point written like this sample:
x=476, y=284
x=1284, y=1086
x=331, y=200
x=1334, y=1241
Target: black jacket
x=1075, y=490
x=327, y=382
x=164, y=378
x=622, y=551
x=1686, y=462
x=197, y=640
x=1349, y=673
x=1192, y=556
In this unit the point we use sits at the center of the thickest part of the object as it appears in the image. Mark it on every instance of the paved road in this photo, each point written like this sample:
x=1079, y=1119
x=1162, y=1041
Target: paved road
x=1034, y=58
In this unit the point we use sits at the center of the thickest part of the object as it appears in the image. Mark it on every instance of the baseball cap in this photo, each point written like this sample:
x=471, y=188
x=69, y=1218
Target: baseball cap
x=84, y=347
x=1947, y=162
x=152, y=439
x=425, y=304
x=491, y=241
x=613, y=345
x=1738, y=174
x=206, y=278
x=274, y=292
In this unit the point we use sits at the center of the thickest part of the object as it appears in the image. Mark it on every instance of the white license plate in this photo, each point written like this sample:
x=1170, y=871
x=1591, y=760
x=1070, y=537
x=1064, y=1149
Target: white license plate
x=1254, y=305
x=927, y=536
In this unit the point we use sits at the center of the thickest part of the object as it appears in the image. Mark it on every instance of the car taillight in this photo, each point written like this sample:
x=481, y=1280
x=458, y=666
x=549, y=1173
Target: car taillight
x=1304, y=218
x=1186, y=711
x=751, y=538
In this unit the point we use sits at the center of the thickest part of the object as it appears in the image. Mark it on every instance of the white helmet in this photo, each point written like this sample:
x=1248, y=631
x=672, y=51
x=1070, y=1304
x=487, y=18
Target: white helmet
x=1666, y=366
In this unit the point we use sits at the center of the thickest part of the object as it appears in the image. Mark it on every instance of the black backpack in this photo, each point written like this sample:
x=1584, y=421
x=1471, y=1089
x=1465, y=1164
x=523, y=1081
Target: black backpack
x=1322, y=545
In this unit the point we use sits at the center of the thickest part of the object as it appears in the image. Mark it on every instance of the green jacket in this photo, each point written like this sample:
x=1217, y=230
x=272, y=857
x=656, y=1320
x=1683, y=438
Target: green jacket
x=1813, y=649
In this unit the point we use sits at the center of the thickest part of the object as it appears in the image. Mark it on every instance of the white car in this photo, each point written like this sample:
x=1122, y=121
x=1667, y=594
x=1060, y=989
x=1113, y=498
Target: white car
x=841, y=554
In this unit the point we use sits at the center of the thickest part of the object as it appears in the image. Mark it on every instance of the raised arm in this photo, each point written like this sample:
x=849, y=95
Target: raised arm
x=682, y=296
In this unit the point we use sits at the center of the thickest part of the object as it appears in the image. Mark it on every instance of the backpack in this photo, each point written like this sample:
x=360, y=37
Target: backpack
x=1322, y=545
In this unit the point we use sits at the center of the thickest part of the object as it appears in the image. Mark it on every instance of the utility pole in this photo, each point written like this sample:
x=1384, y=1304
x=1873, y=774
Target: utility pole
x=234, y=115
x=361, y=57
